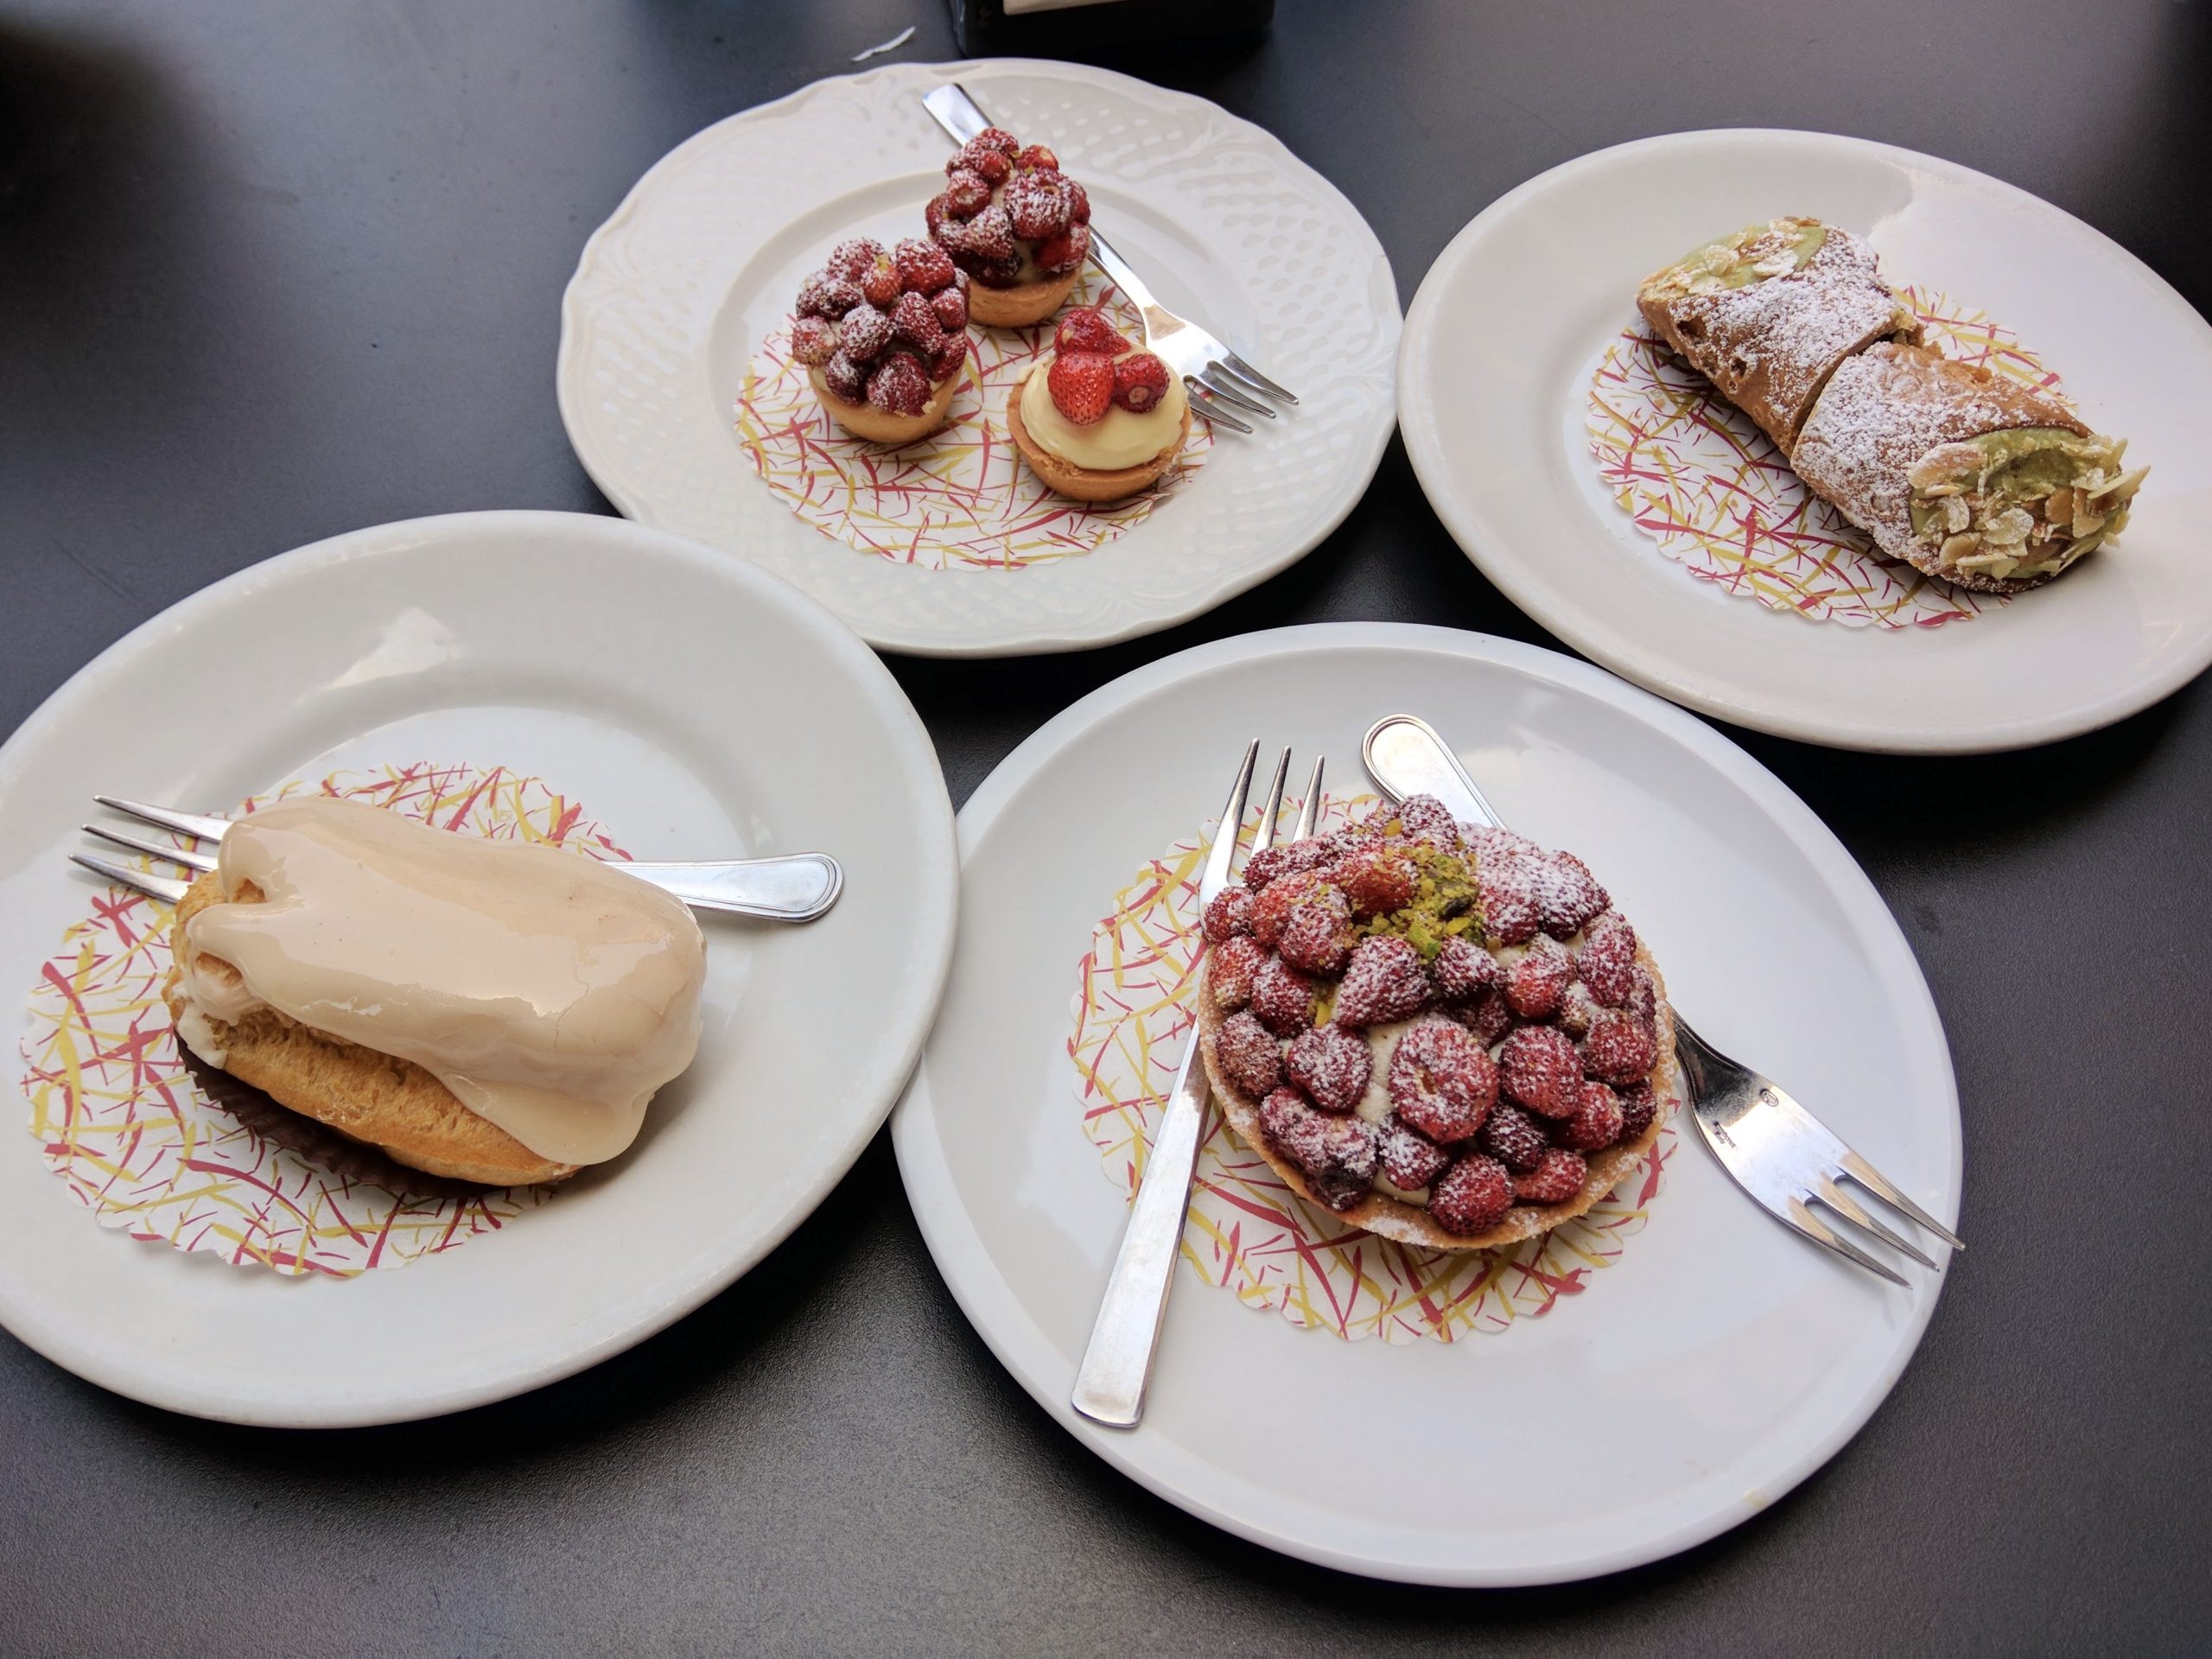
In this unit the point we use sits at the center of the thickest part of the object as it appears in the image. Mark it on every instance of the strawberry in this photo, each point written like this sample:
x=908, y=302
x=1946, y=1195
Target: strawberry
x=924, y=267
x=1376, y=879
x=899, y=386
x=1534, y=984
x=1331, y=1063
x=1471, y=1196
x=1462, y=968
x=1508, y=905
x=950, y=305
x=1282, y=997
x=1037, y=205
x=814, y=342
x=985, y=161
x=1567, y=894
x=1441, y=1082
x=967, y=195
x=1540, y=1069
x=1228, y=916
x=997, y=138
x=1064, y=252
x=1410, y=1158
x=989, y=237
x=864, y=334
x=939, y=210
x=1596, y=1121
x=1271, y=910
x=1038, y=157
x=1639, y=1105
x=851, y=259
x=1139, y=382
x=1084, y=329
x=1082, y=385
x=845, y=378
x=1078, y=203
x=1488, y=1016
x=880, y=284
x=1607, y=959
x=1385, y=981
x=914, y=322
x=1251, y=1059
x=951, y=354
x=1514, y=1138
x=1231, y=969
x=825, y=295
x=1620, y=1048
x=1423, y=817
x=1317, y=937
x=1558, y=1176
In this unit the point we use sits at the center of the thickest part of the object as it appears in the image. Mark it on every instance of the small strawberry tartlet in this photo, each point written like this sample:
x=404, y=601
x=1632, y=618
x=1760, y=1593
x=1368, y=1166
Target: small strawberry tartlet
x=1014, y=222
x=883, y=337
x=1441, y=1033
x=1098, y=419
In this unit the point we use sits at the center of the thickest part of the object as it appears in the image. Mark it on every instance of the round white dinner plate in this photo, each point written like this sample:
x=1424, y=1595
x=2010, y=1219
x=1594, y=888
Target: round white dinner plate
x=1493, y=414
x=1713, y=1366
x=700, y=264
x=659, y=684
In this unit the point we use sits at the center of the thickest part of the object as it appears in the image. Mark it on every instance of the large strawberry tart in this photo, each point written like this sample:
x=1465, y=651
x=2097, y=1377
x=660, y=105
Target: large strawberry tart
x=883, y=337
x=1010, y=218
x=1440, y=1032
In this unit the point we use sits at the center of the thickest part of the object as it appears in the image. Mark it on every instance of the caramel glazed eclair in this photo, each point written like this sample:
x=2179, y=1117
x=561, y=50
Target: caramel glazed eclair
x=496, y=1012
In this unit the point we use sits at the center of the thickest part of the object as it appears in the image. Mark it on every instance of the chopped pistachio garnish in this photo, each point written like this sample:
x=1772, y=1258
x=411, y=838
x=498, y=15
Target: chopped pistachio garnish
x=1777, y=248
x=1447, y=903
x=2024, y=502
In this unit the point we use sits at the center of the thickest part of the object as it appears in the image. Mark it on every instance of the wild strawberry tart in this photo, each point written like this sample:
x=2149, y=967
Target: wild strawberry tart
x=1014, y=222
x=883, y=337
x=1442, y=1032
x=1098, y=419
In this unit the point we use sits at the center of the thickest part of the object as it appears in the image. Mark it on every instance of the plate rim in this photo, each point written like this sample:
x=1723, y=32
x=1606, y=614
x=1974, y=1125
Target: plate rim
x=971, y=1276
x=1358, y=475
x=24, y=1310
x=1569, y=621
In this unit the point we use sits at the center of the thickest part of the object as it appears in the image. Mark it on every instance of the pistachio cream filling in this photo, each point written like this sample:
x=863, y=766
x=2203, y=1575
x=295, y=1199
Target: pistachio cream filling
x=1752, y=255
x=2026, y=502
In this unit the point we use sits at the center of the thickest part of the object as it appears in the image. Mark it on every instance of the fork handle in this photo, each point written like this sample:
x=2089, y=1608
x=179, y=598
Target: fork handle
x=797, y=888
x=1405, y=756
x=952, y=108
x=1110, y=1384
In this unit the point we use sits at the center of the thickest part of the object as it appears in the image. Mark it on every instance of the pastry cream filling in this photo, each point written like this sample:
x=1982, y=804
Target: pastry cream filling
x=1119, y=438
x=2027, y=501
x=550, y=993
x=1752, y=255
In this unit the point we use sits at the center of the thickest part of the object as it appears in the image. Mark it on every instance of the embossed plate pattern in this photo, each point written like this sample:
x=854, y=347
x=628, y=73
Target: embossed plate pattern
x=673, y=294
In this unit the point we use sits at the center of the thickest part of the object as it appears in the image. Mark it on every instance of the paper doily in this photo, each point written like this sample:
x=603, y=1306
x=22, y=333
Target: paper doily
x=1716, y=496
x=962, y=499
x=176, y=1152
x=1134, y=1014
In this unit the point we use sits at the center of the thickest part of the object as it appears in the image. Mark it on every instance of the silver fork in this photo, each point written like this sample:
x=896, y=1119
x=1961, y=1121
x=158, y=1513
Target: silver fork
x=795, y=888
x=1775, y=1149
x=1216, y=378
x=1110, y=1382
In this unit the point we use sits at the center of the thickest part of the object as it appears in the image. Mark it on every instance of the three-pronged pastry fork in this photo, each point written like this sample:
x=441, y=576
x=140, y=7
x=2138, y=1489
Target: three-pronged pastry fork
x=795, y=888
x=1776, y=1150
x=1217, y=379
x=1110, y=1385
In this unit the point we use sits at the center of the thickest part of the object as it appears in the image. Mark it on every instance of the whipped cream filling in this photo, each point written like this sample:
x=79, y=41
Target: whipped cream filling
x=550, y=993
x=1119, y=438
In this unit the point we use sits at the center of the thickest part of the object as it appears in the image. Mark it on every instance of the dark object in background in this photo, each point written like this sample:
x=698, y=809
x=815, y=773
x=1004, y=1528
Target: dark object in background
x=984, y=28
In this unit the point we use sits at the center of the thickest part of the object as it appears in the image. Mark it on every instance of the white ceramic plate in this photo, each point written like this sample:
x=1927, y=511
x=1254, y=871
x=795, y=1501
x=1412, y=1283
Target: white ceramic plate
x=1711, y=1368
x=652, y=680
x=1493, y=419
x=699, y=264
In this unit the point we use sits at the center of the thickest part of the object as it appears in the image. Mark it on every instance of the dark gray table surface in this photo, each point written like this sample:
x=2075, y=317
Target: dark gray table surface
x=271, y=272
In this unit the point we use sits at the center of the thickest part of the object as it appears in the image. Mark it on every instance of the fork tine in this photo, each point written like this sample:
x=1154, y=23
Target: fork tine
x=1264, y=836
x=200, y=861
x=1851, y=1210
x=154, y=886
x=185, y=824
x=1238, y=366
x=1311, y=805
x=1814, y=1228
x=1875, y=1182
x=1208, y=405
x=1220, y=388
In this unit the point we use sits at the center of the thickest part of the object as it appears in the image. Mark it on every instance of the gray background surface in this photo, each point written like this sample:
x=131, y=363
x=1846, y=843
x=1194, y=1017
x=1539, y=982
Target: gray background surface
x=268, y=273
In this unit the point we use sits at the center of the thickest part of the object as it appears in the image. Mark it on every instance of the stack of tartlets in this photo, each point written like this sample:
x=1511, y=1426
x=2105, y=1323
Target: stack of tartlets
x=884, y=336
x=1442, y=1032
